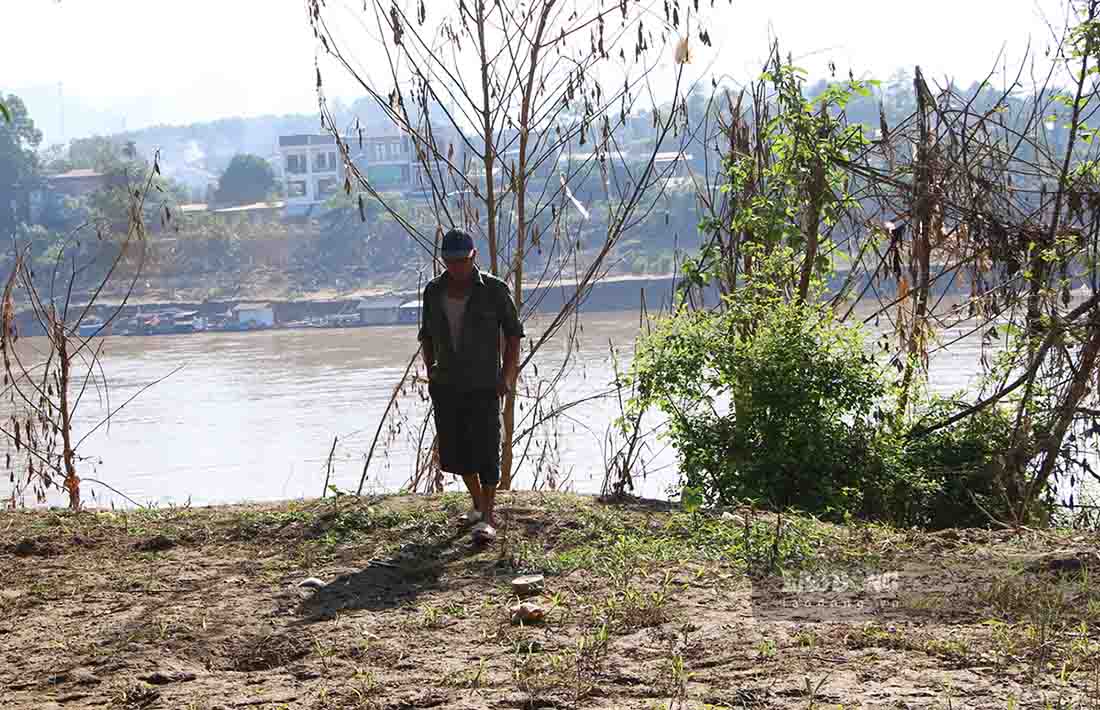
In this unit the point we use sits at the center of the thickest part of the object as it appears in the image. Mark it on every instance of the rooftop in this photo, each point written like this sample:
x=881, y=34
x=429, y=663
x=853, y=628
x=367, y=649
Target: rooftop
x=76, y=174
x=204, y=207
x=306, y=139
x=254, y=206
x=619, y=156
x=384, y=302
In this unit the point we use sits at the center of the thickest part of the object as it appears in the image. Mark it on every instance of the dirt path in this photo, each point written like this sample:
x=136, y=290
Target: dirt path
x=645, y=608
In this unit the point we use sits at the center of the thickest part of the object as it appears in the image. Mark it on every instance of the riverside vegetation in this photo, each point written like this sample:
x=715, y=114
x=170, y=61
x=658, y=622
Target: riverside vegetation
x=807, y=453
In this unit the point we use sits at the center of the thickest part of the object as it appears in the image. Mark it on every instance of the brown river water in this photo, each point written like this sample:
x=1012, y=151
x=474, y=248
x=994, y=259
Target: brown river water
x=252, y=416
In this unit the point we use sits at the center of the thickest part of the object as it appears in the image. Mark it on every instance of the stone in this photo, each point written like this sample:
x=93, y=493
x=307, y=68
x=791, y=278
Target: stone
x=77, y=676
x=157, y=543
x=83, y=676
x=30, y=547
x=166, y=677
x=305, y=674
x=527, y=585
x=1066, y=562
x=527, y=613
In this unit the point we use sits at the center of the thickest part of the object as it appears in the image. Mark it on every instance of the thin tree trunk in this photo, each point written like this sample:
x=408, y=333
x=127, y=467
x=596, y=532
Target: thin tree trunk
x=1039, y=268
x=489, y=154
x=813, y=225
x=1077, y=391
x=328, y=466
x=520, y=181
x=920, y=250
x=382, y=420
x=72, y=481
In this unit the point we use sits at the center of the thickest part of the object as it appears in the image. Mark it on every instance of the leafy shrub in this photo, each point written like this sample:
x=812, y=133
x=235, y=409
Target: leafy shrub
x=770, y=401
x=778, y=403
x=953, y=477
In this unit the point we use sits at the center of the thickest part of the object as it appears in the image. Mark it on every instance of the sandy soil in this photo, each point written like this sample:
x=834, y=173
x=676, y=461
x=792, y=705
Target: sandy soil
x=645, y=608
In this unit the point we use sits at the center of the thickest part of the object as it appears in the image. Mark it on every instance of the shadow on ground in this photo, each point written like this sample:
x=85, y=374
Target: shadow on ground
x=389, y=584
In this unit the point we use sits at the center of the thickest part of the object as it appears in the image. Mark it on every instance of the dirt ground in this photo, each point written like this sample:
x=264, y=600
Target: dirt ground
x=645, y=607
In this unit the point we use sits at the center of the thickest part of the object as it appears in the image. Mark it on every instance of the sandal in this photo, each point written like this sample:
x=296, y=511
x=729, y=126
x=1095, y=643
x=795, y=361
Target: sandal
x=469, y=517
x=484, y=532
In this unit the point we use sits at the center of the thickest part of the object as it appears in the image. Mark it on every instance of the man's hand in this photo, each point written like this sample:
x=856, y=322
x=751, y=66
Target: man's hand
x=508, y=377
x=505, y=384
x=428, y=352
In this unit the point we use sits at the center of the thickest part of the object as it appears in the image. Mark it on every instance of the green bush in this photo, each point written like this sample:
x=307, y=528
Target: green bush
x=952, y=477
x=778, y=403
x=769, y=401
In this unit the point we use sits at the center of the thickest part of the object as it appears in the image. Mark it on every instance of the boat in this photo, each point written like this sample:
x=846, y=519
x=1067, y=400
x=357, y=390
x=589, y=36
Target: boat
x=90, y=327
x=343, y=320
x=183, y=321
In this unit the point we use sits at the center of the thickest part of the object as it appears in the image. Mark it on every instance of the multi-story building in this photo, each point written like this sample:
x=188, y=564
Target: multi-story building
x=384, y=156
x=312, y=170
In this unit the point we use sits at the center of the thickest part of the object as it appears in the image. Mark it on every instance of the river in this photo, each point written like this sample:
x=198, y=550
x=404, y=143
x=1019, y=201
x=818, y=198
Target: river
x=252, y=416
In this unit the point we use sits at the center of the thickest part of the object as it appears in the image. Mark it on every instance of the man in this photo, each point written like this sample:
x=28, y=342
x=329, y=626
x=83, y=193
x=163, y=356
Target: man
x=463, y=316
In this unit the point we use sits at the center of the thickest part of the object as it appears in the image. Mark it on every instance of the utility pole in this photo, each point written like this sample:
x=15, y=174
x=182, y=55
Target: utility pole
x=61, y=109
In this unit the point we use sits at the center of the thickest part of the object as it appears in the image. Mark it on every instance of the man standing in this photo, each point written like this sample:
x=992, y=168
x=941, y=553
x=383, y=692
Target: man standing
x=464, y=314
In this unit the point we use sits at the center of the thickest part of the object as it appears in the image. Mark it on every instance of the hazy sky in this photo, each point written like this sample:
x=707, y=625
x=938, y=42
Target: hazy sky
x=175, y=61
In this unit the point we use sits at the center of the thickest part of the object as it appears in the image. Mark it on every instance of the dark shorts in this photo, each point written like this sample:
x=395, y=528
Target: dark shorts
x=467, y=429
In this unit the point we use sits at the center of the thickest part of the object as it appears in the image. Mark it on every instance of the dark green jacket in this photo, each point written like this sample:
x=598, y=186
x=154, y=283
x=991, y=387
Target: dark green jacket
x=475, y=362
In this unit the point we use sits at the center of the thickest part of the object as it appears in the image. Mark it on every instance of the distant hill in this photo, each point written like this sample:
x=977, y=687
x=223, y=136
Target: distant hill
x=194, y=153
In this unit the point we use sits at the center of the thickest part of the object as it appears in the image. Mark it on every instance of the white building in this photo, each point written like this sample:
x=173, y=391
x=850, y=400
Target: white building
x=312, y=170
x=255, y=314
x=409, y=313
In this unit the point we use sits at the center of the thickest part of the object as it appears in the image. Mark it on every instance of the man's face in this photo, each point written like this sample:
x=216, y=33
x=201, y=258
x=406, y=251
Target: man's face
x=461, y=269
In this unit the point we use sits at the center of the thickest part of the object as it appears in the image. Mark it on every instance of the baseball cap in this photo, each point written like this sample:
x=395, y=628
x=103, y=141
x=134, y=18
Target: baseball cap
x=457, y=245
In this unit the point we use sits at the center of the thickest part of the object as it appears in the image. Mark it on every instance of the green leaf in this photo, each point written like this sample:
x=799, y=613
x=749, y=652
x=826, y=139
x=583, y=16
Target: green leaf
x=692, y=498
x=4, y=112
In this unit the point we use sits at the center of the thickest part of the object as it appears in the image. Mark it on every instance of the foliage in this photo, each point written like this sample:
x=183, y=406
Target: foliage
x=248, y=179
x=792, y=411
x=19, y=139
x=364, y=235
x=954, y=477
x=935, y=206
x=104, y=154
x=768, y=400
x=788, y=191
x=42, y=244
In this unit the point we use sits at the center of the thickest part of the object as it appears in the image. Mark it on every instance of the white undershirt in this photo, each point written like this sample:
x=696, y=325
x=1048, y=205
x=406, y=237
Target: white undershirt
x=456, y=308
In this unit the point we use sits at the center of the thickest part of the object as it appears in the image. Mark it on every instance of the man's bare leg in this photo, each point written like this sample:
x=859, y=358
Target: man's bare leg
x=473, y=484
x=488, y=498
